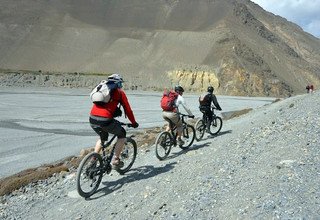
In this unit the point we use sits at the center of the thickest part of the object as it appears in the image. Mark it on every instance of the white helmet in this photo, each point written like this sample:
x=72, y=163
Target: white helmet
x=115, y=78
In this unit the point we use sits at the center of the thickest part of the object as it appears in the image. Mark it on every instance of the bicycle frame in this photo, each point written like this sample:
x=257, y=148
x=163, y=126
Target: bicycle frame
x=205, y=118
x=107, y=158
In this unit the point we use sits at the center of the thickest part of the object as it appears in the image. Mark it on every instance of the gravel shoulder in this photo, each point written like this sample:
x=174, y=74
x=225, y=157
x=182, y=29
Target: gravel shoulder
x=263, y=165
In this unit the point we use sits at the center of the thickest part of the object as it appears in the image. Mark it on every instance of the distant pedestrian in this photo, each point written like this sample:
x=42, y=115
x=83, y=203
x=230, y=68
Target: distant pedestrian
x=311, y=88
x=308, y=88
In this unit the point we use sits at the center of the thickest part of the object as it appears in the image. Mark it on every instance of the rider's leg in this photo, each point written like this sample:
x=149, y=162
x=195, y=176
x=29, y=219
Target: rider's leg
x=179, y=136
x=118, y=149
x=174, y=119
x=98, y=124
x=168, y=117
x=97, y=147
x=121, y=134
x=179, y=132
x=209, y=116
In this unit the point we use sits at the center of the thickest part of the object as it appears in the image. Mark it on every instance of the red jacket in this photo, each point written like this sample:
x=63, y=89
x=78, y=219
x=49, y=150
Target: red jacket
x=107, y=110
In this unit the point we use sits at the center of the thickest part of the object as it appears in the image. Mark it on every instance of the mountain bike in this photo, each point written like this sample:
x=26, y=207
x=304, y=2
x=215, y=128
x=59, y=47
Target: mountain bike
x=201, y=125
x=167, y=139
x=94, y=165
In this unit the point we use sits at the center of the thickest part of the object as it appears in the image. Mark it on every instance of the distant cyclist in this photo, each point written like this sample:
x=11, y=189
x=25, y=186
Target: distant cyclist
x=172, y=115
x=102, y=118
x=205, y=101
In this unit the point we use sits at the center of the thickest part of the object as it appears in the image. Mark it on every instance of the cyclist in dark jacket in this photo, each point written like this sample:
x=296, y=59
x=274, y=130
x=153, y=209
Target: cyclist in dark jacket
x=205, y=101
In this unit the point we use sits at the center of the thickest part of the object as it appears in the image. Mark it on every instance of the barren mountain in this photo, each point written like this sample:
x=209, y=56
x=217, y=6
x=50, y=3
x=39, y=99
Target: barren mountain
x=233, y=44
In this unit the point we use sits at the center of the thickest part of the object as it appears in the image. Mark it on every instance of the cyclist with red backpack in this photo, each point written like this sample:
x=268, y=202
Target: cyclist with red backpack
x=205, y=101
x=170, y=103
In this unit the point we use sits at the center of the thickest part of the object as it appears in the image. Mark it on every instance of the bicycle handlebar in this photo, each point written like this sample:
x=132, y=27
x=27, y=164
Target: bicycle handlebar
x=129, y=125
x=214, y=108
x=184, y=115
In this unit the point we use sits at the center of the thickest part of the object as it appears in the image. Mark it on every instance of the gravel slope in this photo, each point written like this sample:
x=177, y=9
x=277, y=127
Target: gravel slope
x=263, y=165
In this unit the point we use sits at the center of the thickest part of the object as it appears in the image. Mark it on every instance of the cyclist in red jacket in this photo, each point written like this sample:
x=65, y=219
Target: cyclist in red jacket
x=102, y=118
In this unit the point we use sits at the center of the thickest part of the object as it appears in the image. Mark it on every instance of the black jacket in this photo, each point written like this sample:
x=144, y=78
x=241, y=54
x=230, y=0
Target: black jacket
x=206, y=99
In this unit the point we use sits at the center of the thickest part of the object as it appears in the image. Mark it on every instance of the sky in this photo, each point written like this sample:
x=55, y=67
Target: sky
x=305, y=13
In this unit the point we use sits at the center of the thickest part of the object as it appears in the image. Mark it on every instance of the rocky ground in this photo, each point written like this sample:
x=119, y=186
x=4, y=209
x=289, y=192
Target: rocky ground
x=263, y=165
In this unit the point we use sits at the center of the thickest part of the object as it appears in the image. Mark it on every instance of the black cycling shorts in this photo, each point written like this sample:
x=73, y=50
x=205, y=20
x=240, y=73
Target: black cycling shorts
x=102, y=126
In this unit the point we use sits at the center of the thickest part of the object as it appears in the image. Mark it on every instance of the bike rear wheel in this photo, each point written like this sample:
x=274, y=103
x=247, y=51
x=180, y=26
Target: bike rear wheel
x=128, y=155
x=188, y=136
x=215, y=125
x=163, y=145
x=89, y=174
x=200, y=129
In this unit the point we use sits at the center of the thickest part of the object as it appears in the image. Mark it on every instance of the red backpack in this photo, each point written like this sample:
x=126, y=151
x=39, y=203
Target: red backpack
x=167, y=100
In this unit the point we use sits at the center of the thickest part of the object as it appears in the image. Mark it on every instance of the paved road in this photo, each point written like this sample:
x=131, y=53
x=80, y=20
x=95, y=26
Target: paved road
x=39, y=125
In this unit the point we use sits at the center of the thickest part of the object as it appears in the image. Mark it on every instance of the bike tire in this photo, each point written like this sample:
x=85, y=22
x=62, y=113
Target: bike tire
x=163, y=145
x=189, y=134
x=128, y=155
x=216, y=125
x=200, y=129
x=89, y=172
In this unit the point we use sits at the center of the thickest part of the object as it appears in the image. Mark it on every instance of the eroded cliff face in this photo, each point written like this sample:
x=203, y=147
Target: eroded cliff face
x=239, y=82
x=196, y=81
x=231, y=80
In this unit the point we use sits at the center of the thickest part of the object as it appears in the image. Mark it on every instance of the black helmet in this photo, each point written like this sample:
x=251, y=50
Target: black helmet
x=178, y=89
x=210, y=89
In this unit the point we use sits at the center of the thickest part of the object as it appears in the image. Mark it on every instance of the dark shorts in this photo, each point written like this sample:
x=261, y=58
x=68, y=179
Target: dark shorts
x=102, y=126
x=206, y=110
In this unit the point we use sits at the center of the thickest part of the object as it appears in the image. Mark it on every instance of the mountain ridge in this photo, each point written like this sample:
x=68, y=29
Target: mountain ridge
x=250, y=51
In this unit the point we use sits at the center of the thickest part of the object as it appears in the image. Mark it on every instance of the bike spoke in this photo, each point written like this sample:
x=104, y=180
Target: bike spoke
x=89, y=174
x=128, y=156
x=163, y=145
x=188, y=136
x=216, y=125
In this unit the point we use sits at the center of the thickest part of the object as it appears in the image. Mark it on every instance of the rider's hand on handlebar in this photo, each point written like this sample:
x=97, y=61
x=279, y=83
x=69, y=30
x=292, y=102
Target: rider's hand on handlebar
x=135, y=125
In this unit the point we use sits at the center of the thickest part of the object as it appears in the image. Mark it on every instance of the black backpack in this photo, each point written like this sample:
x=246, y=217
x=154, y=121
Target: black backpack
x=205, y=99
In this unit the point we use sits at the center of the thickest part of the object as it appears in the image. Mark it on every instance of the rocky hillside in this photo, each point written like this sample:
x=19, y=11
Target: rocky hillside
x=263, y=165
x=159, y=43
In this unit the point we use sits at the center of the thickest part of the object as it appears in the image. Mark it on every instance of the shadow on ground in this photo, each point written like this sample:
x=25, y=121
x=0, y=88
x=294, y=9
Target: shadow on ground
x=136, y=174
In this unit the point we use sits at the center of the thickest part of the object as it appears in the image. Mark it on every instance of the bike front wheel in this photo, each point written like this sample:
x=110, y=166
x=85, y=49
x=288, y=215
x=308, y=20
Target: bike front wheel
x=188, y=136
x=128, y=155
x=163, y=145
x=89, y=174
x=215, y=125
x=200, y=129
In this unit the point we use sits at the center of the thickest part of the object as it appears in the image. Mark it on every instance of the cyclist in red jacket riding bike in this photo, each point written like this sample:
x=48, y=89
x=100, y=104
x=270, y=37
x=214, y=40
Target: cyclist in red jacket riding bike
x=102, y=118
